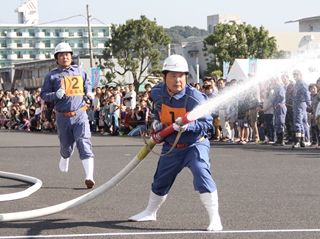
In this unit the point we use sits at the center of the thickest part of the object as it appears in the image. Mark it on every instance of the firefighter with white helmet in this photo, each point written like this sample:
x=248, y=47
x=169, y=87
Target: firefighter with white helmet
x=66, y=86
x=62, y=47
x=172, y=99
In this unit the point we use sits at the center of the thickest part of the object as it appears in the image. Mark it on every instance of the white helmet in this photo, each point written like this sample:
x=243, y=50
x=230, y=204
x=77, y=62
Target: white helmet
x=175, y=63
x=62, y=47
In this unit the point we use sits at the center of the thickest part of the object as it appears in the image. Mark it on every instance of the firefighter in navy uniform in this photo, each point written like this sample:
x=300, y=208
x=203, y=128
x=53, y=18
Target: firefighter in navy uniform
x=66, y=86
x=280, y=110
x=173, y=98
x=301, y=100
x=289, y=86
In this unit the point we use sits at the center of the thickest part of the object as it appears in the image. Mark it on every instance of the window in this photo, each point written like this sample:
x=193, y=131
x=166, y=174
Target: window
x=31, y=33
x=310, y=28
x=28, y=74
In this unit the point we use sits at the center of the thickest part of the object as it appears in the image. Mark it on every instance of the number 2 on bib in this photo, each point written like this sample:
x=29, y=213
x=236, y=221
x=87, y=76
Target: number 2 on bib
x=74, y=85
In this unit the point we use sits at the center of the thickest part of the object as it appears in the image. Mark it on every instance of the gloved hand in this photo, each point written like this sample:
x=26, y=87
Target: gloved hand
x=60, y=93
x=157, y=126
x=90, y=95
x=179, y=121
x=178, y=125
x=180, y=128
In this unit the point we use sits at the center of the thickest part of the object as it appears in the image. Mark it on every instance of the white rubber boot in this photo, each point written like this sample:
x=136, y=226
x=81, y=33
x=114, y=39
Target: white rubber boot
x=150, y=213
x=88, y=165
x=64, y=164
x=210, y=201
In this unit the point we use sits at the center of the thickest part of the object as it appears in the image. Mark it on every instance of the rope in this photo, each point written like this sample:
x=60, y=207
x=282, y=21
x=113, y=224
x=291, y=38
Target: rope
x=172, y=147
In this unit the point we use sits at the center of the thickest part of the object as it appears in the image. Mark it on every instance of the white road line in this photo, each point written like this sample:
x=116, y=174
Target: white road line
x=161, y=233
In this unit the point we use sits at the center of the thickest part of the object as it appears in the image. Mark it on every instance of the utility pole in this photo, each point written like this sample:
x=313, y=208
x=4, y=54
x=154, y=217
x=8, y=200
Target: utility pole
x=169, y=49
x=90, y=37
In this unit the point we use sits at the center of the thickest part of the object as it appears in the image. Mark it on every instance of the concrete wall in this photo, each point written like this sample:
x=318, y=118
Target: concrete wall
x=213, y=20
x=297, y=42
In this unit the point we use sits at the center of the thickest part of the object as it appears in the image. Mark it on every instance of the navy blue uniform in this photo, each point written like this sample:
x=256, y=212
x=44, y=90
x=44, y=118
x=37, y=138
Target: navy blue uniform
x=194, y=150
x=289, y=116
x=301, y=99
x=280, y=109
x=76, y=130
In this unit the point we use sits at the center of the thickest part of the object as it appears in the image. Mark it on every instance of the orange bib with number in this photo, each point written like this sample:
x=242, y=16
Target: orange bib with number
x=73, y=85
x=168, y=115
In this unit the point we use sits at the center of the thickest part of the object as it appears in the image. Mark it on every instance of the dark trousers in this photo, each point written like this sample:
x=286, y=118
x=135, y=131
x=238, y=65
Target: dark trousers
x=314, y=134
x=269, y=126
x=289, y=124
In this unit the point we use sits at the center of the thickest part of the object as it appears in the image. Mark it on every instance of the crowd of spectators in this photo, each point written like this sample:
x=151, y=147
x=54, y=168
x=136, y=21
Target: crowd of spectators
x=114, y=111
x=121, y=111
x=24, y=110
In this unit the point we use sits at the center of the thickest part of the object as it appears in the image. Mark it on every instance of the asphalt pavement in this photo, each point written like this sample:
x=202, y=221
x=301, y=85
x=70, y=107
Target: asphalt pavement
x=264, y=191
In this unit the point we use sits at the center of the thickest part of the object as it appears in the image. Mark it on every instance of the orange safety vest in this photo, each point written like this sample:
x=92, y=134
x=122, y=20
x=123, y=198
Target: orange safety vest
x=168, y=115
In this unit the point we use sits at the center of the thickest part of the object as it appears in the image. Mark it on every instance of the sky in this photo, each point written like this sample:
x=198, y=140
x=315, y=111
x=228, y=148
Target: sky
x=272, y=14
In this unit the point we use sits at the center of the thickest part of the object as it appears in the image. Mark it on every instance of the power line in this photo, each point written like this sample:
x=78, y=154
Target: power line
x=62, y=19
x=59, y=20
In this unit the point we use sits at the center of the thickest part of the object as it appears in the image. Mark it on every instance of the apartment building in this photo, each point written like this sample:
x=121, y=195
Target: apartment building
x=22, y=43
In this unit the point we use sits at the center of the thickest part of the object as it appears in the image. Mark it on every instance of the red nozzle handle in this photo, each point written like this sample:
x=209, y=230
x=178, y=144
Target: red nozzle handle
x=185, y=119
x=158, y=137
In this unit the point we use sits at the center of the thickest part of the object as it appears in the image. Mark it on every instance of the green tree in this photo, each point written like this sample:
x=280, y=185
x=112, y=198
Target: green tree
x=243, y=41
x=136, y=46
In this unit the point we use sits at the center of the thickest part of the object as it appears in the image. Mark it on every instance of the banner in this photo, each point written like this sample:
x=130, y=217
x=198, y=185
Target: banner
x=95, y=77
x=226, y=66
x=252, y=67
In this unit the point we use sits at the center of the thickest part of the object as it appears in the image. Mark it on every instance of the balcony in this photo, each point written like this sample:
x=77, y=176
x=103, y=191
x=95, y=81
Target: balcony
x=40, y=45
x=100, y=34
x=40, y=34
x=12, y=45
x=40, y=56
x=99, y=45
x=11, y=34
x=12, y=57
x=85, y=34
x=26, y=56
x=25, y=45
x=25, y=34
x=86, y=45
x=64, y=34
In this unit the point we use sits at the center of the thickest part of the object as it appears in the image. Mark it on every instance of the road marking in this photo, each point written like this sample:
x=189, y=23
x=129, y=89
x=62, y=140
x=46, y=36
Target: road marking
x=161, y=233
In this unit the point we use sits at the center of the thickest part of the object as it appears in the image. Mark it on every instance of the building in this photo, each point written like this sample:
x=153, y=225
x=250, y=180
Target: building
x=213, y=20
x=22, y=43
x=295, y=43
x=308, y=24
x=28, y=12
x=30, y=41
x=27, y=48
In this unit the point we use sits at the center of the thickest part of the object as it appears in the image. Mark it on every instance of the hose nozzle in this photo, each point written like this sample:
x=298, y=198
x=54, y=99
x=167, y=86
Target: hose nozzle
x=159, y=136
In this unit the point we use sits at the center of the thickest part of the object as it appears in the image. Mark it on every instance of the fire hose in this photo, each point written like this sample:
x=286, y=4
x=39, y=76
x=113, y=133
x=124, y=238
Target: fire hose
x=133, y=164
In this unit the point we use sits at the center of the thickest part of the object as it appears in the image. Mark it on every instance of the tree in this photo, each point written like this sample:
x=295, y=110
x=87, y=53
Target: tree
x=180, y=33
x=229, y=42
x=135, y=45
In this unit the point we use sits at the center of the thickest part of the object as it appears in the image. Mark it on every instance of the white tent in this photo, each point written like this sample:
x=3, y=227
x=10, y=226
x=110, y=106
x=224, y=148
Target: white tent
x=267, y=68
